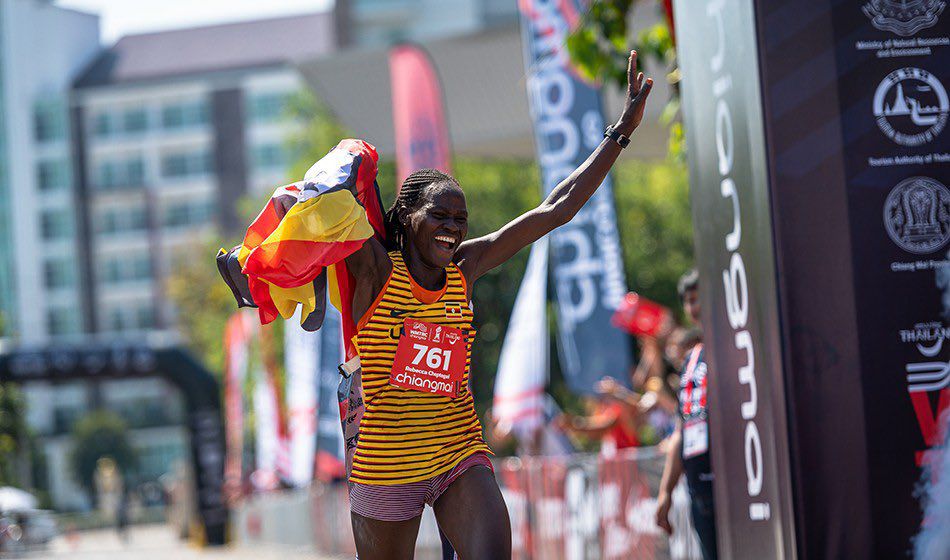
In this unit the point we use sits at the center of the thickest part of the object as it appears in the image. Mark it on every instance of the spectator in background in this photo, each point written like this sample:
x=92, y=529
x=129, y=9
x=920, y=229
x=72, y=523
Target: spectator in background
x=544, y=439
x=689, y=445
x=614, y=422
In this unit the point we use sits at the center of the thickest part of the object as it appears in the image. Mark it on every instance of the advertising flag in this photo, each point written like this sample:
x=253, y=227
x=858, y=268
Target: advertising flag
x=237, y=335
x=301, y=357
x=329, y=441
x=586, y=261
x=523, y=363
x=422, y=139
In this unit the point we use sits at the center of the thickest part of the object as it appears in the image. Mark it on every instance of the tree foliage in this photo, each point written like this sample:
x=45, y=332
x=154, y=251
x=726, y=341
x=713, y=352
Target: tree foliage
x=601, y=42
x=13, y=433
x=100, y=434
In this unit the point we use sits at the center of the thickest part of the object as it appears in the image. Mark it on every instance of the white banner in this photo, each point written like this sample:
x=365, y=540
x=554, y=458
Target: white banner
x=302, y=361
x=523, y=364
x=267, y=440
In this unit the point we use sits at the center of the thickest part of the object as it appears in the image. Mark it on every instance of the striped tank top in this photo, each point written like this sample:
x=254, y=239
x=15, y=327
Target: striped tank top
x=407, y=436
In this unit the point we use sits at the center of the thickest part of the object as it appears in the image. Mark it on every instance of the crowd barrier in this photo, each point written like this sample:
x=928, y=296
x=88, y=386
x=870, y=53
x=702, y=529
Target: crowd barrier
x=580, y=507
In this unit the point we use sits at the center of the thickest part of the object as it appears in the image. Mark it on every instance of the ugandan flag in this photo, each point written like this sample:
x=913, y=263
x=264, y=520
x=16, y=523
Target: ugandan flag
x=293, y=251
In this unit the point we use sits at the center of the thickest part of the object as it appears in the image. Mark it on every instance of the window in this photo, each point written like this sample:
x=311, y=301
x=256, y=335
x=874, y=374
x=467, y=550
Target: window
x=49, y=121
x=119, y=269
x=62, y=320
x=122, y=220
x=135, y=120
x=145, y=317
x=104, y=125
x=126, y=173
x=52, y=174
x=268, y=107
x=135, y=316
x=181, y=214
x=59, y=273
x=186, y=164
x=113, y=122
x=184, y=115
x=269, y=156
x=56, y=224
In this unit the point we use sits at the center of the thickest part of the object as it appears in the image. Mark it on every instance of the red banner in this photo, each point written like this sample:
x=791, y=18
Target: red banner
x=237, y=336
x=422, y=139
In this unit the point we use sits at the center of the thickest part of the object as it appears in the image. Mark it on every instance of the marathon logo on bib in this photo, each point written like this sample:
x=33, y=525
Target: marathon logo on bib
x=430, y=358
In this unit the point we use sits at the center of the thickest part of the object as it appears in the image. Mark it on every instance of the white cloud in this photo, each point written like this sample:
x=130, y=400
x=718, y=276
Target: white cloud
x=124, y=17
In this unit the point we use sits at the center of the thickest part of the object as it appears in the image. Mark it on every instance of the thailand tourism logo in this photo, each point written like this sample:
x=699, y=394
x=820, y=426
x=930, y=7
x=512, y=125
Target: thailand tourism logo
x=917, y=215
x=911, y=106
x=903, y=17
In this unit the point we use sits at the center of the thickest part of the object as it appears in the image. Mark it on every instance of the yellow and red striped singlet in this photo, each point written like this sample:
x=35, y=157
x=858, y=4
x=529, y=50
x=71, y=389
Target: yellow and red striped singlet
x=405, y=435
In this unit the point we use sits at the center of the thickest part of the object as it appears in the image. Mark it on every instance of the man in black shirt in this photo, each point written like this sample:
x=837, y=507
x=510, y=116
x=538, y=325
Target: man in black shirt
x=689, y=444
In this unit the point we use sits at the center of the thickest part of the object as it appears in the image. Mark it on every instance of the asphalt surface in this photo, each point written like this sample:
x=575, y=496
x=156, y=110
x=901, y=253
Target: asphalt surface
x=158, y=542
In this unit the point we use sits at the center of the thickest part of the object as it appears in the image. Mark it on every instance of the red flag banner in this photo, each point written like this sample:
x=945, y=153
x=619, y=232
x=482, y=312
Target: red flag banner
x=422, y=139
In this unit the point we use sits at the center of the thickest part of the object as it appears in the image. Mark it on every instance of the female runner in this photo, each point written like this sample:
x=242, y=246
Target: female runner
x=417, y=447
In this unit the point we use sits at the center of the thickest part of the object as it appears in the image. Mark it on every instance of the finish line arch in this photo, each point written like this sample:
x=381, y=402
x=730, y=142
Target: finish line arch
x=150, y=356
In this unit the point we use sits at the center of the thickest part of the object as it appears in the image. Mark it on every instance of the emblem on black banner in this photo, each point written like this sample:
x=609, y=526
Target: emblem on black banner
x=903, y=17
x=917, y=215
x=911, y=106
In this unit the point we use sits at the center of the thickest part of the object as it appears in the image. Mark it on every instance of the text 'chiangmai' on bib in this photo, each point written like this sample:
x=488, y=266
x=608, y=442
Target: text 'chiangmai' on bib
x=430, y=358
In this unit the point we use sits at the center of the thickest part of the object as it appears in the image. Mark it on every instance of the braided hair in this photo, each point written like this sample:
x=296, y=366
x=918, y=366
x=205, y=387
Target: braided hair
x=408, y=198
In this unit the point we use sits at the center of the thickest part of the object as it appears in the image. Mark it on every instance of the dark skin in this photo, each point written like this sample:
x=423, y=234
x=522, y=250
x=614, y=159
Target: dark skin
x=471, y=512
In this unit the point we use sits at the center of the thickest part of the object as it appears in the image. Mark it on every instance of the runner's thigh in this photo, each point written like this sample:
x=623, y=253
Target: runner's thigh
x=473, y=515
x=385, y=540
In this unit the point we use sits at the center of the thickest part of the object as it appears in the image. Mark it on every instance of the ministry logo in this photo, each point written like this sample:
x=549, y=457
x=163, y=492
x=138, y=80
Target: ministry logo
x=903, y=17
x=911, y=106
x=917, y=215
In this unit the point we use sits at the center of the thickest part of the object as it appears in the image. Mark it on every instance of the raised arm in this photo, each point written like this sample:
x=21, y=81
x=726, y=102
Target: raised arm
x=478, y=256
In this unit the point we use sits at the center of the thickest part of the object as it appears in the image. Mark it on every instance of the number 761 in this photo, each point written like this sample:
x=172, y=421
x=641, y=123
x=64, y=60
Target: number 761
x=435, y=357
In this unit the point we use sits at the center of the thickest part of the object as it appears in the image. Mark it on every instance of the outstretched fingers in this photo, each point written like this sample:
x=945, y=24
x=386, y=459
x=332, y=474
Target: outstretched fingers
x=632, y=77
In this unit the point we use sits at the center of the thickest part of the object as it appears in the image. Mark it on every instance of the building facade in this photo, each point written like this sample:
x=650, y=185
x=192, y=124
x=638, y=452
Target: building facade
x=116, y=162
x=374, y=23
x=42, y=47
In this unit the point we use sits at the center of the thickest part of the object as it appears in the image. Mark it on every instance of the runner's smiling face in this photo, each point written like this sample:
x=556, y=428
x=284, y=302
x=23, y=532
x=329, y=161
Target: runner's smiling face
x=438, y=224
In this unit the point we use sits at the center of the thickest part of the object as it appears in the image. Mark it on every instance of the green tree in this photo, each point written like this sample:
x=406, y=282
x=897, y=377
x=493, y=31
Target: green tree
x=656, y=228
x=96, y=435
x=13, y=434
x=602, y=40
x=203, y=302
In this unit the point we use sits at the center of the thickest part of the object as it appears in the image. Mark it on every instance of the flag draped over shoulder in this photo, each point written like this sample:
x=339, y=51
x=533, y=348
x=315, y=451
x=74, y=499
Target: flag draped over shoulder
x=293, y=251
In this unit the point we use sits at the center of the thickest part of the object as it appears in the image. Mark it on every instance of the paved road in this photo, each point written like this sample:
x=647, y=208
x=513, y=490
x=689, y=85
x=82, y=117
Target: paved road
x=157, y=542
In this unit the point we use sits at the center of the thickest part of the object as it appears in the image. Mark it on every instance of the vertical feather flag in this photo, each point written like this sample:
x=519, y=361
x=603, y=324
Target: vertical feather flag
x=422, y=139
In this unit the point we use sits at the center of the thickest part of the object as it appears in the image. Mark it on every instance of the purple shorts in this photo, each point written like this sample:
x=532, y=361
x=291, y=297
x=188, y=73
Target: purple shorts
x=399, y=502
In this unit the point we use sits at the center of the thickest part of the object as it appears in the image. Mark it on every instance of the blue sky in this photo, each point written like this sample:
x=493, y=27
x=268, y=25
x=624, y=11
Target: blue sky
x=122, y=17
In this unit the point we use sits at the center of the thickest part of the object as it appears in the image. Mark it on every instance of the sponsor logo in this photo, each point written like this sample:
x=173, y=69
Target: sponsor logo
x=437, y=335
x=399, y=312
x=735, y=283
x=911, y=106
x=419, y=331
x=928, y=337
x=917, y=215
x=453, y=337
x=903, y=17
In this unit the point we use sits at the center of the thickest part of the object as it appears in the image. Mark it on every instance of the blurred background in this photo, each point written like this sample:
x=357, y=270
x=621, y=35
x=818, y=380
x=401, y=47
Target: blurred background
x=139, y=137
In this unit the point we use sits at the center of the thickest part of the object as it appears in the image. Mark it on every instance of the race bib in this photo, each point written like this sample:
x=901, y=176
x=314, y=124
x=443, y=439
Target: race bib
x=695, y=438
x=429, y=358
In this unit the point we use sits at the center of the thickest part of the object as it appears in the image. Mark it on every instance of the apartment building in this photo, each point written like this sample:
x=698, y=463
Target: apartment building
x=116, y=161
x=174, y=128
x=41, y=48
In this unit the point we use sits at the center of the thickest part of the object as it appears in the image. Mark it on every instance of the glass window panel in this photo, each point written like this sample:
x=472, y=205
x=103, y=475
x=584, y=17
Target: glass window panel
x=52, y=174
x=135, y=120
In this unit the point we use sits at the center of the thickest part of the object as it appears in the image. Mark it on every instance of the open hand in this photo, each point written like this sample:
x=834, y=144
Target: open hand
x=638, y=89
